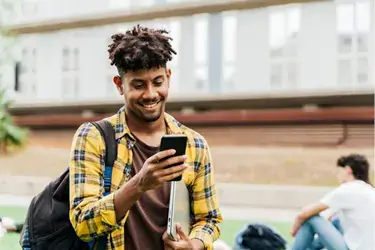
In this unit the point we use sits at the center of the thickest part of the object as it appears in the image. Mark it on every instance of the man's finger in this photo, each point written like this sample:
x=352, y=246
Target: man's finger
x=172, y=176
x=171, y=161
x=161, y=155
x=165, y=236
x=181, y=232
x=169, y=171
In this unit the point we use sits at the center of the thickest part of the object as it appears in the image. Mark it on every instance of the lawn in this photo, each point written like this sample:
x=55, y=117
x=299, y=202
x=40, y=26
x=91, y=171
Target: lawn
x=229, y=229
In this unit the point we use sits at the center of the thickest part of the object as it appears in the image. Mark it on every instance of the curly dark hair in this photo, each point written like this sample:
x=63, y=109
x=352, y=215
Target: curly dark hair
x=140, y=48
x=359, y=165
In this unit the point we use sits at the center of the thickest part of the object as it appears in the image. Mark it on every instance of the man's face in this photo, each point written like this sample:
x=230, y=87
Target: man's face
x=145, y=92
x=344, y=174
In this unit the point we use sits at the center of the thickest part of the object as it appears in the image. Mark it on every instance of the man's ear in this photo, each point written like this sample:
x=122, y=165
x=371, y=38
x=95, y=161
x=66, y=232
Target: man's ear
x=169, y=73
x=118, y=82
x=349, y=170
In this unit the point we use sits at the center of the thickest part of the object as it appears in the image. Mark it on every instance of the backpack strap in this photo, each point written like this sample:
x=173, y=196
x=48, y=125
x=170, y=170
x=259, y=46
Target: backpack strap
x=106, y=130
x=108, y=133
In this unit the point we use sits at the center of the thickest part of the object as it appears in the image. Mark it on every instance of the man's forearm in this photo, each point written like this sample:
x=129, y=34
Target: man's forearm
x=125, y=198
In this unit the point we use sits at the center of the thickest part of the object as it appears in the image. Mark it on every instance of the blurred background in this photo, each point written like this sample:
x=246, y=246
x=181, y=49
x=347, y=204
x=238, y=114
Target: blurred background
x=280, y=89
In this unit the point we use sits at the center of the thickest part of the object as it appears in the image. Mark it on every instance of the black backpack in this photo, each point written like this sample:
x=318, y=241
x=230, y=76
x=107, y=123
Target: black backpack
x=259, y=236
x=47, y=225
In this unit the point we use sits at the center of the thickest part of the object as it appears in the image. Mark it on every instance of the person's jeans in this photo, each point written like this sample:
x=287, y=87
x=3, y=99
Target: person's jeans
x=329, y=235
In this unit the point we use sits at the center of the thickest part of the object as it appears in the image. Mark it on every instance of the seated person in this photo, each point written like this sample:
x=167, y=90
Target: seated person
x=353, y=202
x=8, y=225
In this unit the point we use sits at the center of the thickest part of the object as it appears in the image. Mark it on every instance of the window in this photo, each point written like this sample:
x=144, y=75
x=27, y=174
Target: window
x=353, y=37
x=277, y=74
x=65, y=58
x=27, y=72
x=70, y=72
x=345, y=72
x=283, y=44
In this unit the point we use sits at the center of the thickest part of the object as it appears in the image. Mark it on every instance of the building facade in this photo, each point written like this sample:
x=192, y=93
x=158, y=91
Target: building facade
x=324, y=46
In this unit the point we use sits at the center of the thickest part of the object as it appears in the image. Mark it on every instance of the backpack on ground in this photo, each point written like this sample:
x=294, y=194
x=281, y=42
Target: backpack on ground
x=260, y=237
x=47, y=225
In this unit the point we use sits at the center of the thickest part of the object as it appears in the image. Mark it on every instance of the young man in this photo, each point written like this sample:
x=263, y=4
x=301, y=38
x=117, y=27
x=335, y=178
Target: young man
x=353, y=202
x=135, y=213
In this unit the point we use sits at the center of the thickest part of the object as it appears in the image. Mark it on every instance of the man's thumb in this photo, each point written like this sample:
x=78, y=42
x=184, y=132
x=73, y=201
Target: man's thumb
x=181, y=231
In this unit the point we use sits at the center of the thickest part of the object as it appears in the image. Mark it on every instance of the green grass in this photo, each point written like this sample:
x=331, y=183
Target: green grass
x=229, y=228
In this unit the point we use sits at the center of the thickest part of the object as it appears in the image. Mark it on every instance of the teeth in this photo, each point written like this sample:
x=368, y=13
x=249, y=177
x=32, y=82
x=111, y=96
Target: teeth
x=149, y=105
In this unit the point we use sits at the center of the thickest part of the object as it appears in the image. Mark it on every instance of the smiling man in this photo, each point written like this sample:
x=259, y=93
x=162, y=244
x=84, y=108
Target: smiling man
x=134, y=215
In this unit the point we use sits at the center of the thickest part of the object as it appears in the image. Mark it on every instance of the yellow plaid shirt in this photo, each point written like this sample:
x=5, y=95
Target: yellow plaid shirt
x=93, y=215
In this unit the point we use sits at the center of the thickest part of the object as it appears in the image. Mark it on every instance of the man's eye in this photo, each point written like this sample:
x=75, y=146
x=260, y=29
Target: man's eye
x=158, y=83
x=139, y=86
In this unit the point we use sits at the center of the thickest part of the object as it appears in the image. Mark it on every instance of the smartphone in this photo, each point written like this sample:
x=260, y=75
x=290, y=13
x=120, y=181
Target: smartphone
x=177, y=142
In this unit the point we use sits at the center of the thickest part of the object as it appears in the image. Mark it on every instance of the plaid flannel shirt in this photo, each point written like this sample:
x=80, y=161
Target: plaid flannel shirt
x=93, y=215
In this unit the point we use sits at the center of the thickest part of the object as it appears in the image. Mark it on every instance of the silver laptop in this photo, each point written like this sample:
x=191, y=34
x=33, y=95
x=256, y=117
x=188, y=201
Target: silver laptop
x=179, y=209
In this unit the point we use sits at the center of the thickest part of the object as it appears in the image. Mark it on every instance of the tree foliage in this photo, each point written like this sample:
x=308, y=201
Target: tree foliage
x=10, y=133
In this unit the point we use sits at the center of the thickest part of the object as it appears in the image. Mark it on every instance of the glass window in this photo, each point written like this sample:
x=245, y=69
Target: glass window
x=276, y=74
x=363, y=16
x=362, y=71
x=292, y=71
x=33, y=60
x=345, y=43
x=345, y=69
x=277, y=34
x=24, y=61
x=65, y=59
x=345, y=18
x=76, y=59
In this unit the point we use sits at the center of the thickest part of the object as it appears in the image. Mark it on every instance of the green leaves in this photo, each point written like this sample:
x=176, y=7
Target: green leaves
x=10, y=134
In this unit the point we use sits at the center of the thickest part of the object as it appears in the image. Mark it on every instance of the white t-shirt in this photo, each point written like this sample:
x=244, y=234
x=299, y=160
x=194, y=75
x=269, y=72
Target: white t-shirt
x=355, y=203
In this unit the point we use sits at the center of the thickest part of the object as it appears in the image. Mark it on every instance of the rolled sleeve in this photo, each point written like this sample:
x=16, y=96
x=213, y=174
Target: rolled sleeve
x=91, y=214
x=206, y=210
x=205, y=232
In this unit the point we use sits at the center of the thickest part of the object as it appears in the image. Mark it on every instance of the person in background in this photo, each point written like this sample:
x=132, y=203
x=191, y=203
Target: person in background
x=8, y=225
x=353, y=203
x=135, y=214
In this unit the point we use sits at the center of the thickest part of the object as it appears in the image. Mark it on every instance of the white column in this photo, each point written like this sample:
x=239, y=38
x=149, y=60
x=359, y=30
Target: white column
x=252, y=65
x=318, y=46
x=186, y=65
x=215, y=52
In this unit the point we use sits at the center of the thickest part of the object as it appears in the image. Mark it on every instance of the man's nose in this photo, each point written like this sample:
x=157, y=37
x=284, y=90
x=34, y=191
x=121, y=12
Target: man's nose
x=150, y=92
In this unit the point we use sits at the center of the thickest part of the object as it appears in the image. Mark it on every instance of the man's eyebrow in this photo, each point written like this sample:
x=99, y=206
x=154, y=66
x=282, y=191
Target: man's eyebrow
x=158, y=77
x=134, y=80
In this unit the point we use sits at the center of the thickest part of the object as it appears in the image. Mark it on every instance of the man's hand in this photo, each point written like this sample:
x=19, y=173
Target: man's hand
x=183, y=242
x=153, y=172
x=296, y=226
